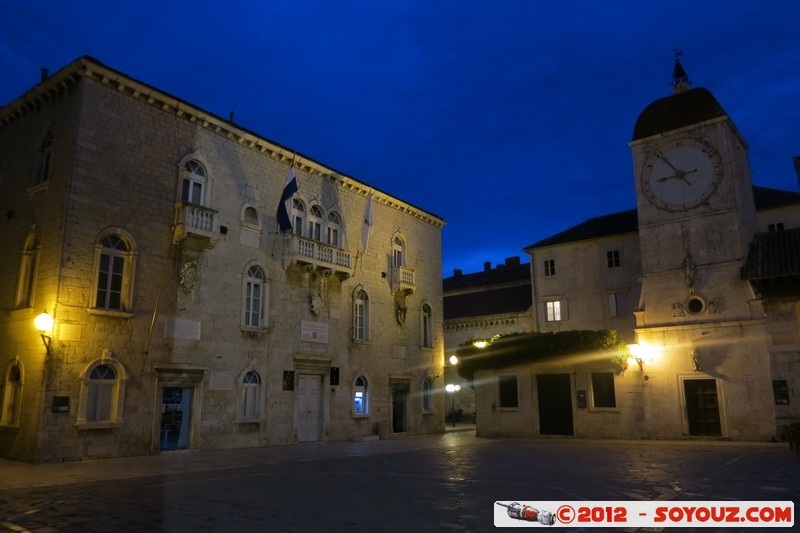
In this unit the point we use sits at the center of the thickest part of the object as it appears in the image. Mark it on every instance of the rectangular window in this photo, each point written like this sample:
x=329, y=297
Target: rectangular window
x=109, y=284
x=549, y=267
x=252, y=310
x=98, y=401
x=603, y=390
x=250, y=402
x=612, y=258
x=780, y=389
x=507, y=389
x=617, y=304
x=553, y=311
x=775, y=227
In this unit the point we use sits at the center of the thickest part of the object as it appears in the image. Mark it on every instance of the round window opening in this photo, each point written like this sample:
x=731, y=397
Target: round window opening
x=695, y=305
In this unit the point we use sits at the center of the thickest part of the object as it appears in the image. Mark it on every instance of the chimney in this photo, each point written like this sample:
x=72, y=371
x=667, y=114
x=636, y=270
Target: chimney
x=45, y=73
x=512, y=262
x=487, y=266
x=797, y=167
x=457, y=272
x=231, y=119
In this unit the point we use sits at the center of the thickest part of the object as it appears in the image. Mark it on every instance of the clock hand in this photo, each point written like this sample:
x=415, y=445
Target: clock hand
x=665, y=178
x=665, y=160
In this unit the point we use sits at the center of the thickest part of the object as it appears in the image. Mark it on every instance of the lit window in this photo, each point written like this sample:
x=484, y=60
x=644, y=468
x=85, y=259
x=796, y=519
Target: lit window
x=360, y=396
x=398, y=251
x=427, y=394
x=11, y=395
x=334, y=229
x=553, y=311
x=427, y=337
x=549, y=267
x=251, y=395
x=361, y=315
x=193, y=182
x=115, y=261
x=603, y=390
x=315, y=223
x=507, y=391
x=612, y=258
x=618, y=304
x=255, y=290
x=298, y=216
x=26, y=281
x=102, y=393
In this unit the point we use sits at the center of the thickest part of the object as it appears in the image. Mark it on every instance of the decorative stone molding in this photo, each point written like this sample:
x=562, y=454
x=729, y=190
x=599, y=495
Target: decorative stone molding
x=190, y=274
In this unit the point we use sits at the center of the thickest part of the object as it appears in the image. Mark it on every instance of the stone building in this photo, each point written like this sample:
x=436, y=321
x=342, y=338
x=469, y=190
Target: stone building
x=702, y=278
x=183, y=317
x=480, y=305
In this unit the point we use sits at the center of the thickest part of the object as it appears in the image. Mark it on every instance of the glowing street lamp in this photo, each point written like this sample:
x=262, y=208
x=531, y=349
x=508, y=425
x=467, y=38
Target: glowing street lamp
x=44, y=324
x=452, y=390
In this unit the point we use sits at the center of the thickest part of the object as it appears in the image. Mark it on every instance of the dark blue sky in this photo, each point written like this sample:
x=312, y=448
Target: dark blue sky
x=510, y=119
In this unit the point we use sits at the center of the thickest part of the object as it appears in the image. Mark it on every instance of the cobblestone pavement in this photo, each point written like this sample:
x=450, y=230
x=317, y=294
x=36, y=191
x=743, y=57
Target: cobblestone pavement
x=430, y=483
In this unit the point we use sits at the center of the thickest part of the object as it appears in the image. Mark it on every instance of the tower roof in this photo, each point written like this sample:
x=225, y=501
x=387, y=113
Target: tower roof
x=676, y=111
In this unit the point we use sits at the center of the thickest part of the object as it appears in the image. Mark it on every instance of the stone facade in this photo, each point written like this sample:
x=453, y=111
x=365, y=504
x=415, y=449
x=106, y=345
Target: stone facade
x=184, y=319
x=718, y=356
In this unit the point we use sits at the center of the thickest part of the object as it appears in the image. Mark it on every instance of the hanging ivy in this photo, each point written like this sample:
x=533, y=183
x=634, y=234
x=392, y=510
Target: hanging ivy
x=524, y=348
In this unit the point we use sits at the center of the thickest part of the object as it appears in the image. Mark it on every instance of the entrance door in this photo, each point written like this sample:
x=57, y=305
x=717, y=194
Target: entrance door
x=309, y=401
x=399, y=400
x=702, y=407
x=176, y=405
x=555, y=404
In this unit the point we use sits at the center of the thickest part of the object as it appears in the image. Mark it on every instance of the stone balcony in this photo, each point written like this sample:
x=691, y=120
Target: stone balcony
x=403, y=280
x=194, y=221
x=318, y=255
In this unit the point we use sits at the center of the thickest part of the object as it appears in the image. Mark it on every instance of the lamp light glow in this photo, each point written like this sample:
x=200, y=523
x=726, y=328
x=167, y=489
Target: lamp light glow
x=453, y=360
x=44, y=323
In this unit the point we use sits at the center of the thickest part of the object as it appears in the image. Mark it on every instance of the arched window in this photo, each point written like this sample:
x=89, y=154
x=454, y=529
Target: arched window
x=193, y=182
x=11, y=395
x=360, y=396
x=427, y=394
x=334, y=229
x=398, y=251
x=102, y=393
x=360, y=315
x=45, y=158
x=28, y=265
x=425, y=326
x=250, y=395
x=298, y=216
x=315, y=223
x=255, y=294
x=115, y=262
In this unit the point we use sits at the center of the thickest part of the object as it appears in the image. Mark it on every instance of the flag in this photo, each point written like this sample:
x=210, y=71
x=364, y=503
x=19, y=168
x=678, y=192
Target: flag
x=285, y=205
x=367, y=223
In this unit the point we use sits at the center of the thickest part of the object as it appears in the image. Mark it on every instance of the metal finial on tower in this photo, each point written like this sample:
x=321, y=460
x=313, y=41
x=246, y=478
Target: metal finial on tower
x=680, y=80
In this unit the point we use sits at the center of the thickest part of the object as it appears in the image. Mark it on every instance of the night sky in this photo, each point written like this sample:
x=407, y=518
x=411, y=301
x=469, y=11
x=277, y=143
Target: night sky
x=510, y=119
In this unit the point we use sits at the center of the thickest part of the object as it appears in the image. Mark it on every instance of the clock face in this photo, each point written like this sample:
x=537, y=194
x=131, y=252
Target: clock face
x=682, y=176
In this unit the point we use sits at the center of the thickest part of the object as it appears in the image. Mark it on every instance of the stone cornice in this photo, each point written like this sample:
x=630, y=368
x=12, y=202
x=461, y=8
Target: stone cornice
x=89, y=68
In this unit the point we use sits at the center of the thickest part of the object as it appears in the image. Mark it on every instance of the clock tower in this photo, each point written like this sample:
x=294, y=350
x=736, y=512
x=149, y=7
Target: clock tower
x=696, y=219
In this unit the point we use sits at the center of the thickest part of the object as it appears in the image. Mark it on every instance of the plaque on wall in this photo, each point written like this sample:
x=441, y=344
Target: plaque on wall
x=60, y=404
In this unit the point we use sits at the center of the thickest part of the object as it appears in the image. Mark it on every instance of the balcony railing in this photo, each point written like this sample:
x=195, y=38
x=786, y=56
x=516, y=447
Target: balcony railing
x=403, y=279
x=320, y=255
x=193, y=220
